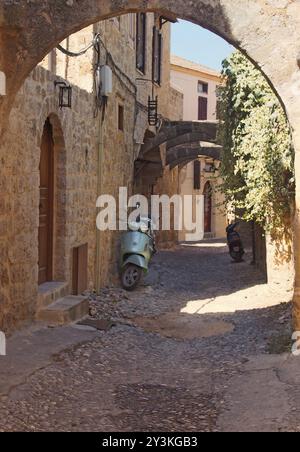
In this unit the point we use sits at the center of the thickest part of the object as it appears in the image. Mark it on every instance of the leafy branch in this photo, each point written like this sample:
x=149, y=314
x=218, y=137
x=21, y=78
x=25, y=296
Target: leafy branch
x=258, y=156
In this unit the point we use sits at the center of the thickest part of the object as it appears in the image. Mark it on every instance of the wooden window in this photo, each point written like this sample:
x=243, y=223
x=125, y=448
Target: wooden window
x=202, y=108
x=157, y=56
x=121, y=118
x=197, y=175
x=141, y=32
x=202, y=88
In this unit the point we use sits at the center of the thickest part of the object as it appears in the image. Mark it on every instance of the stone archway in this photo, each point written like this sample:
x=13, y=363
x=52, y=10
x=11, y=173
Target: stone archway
x=191, y=151
x=268, y=34
x=29, y=32
x=184, y=142
x=175, y=133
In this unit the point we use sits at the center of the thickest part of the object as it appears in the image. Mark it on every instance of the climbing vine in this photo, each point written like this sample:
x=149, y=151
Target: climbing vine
x=257, y=158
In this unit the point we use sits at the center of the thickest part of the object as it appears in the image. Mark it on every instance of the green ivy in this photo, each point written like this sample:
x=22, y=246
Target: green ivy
x=257, y=158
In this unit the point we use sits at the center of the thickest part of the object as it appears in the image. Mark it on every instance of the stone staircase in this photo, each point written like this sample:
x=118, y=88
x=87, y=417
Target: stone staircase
x=56, y=307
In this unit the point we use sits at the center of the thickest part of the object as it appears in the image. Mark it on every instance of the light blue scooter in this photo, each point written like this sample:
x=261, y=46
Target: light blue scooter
x=137, y=249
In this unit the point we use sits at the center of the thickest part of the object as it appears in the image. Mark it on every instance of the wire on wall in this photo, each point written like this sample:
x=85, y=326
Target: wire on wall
x=123, y=78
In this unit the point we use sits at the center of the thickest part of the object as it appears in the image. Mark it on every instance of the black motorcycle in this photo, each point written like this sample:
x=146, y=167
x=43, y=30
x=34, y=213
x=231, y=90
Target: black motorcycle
x=236, y=249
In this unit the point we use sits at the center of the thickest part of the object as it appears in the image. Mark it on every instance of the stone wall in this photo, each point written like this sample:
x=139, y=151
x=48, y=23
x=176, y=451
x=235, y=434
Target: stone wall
x=75, y=144
x=167, y=185
x=272, y=256
x=175, y=104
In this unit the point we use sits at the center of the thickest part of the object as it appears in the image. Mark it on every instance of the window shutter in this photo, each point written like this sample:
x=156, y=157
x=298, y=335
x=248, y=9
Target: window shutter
x=160, y=63
x=202, y=109
x=157, y=56
x=141, y=42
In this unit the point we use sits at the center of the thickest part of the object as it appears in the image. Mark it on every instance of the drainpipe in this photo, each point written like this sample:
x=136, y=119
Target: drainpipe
x=99, y=192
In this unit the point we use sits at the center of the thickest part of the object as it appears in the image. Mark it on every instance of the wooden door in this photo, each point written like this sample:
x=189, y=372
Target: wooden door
x=46, y=206
x=202, y=108
x=207, y=208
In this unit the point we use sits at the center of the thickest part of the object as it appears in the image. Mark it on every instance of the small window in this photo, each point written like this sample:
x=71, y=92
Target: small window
x=197, y=175
x=202, y=88
x=209, y=167
x=121, y=118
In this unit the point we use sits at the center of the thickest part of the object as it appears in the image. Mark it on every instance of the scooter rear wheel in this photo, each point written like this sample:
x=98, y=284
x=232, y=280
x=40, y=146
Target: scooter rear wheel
x=131, y=277
x=237, y=257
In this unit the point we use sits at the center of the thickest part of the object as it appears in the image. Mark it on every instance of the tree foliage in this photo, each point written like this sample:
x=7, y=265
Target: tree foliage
x=258, y=158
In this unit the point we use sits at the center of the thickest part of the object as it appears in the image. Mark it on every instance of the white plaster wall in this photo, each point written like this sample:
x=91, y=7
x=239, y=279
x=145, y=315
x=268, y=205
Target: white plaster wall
x=188, y=84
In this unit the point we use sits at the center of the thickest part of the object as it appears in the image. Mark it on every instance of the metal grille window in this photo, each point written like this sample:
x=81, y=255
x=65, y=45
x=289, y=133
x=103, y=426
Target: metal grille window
x=141, y=32
x=157, y=55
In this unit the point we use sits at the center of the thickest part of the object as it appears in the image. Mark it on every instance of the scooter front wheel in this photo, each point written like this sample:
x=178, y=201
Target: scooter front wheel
x=131, y=276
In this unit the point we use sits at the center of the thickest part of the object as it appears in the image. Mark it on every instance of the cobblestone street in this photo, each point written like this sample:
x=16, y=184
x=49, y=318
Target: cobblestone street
x=204, y=345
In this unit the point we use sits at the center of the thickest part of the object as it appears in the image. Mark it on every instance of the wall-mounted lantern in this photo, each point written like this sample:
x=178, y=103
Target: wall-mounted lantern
x=164, y=19
x=65, y=94
x=153, y=116
x=212, y=167
x=2, y=84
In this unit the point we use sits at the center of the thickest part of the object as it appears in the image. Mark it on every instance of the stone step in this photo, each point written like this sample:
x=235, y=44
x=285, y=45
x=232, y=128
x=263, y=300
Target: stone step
x=66, y=310
x=50, y=292
x=209, y=235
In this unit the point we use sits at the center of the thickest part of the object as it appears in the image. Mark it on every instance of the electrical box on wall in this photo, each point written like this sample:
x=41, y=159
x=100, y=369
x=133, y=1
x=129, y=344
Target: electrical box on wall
x=106, y=81
x=2, y=84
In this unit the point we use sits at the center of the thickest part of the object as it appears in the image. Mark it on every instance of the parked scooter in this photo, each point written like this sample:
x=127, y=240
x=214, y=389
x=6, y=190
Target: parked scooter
x=236, y=249
x=137, y=250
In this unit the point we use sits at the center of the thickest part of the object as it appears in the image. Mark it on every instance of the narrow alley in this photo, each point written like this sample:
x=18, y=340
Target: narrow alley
x=203, y=345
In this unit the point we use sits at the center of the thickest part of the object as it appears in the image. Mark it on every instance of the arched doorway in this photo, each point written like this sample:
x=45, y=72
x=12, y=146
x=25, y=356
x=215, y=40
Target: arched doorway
x=207, y=208
x=52, y=256
x=46, y=210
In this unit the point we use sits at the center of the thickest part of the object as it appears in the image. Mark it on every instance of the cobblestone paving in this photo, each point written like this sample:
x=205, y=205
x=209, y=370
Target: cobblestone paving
x=133, y=379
